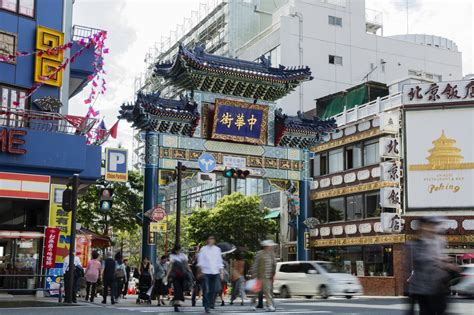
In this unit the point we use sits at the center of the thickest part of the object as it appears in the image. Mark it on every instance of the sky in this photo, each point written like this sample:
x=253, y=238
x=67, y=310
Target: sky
x=134, y=26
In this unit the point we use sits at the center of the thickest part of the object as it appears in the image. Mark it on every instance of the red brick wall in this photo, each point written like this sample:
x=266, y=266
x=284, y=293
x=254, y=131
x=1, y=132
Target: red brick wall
x=378, y=285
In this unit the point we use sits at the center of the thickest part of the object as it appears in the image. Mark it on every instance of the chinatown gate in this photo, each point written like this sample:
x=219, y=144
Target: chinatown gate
x=228, y=110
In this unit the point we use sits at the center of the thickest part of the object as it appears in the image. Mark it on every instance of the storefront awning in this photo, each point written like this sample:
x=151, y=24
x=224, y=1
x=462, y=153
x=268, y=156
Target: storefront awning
x=273, y=215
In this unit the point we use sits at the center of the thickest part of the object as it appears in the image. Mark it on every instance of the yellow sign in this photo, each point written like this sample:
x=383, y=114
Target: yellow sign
x=346, y=140
x=60, y=219
x=351, y=190
x=48, y=62
x=367, y=240
x=158, y=227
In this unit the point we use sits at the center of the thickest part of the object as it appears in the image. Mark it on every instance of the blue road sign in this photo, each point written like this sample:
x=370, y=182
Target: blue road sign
x=207, y=163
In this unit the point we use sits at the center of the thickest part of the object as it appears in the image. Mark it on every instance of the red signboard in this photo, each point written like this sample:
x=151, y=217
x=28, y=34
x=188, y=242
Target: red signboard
x=156, y=214
x=51, y=237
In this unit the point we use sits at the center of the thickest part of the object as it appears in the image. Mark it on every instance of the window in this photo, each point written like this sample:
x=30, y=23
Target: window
x=372, y=205
x=336, y=209
x=353, y=155
x=320, y=211
x=27, y=7
x=371, y=152
x=7, y=43
x=12, y=98
x=355, y=208
x=335, y=60
x=334, y=20
x=23, y=7
x=321, y=164
x=336, y=161
x=289, y=268
x=305, y=267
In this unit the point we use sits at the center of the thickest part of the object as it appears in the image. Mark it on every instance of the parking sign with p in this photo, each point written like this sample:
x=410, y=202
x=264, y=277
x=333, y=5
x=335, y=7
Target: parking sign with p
x=116, y=161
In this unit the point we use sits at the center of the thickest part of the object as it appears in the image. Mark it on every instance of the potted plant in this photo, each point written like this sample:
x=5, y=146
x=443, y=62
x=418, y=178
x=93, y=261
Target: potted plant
x=371, y=270
x=385, y=271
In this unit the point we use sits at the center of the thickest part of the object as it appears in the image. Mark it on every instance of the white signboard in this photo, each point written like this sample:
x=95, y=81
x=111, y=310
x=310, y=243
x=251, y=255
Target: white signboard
x=391, y=222
x=390, y=197
x=389, y=147
x=440, y=158
x=234, y=161
x=390, y=171
x=440, y=92
x=390, y=122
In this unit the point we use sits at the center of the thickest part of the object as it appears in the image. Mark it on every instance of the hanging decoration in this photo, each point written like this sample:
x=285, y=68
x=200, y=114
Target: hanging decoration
x=96, y=40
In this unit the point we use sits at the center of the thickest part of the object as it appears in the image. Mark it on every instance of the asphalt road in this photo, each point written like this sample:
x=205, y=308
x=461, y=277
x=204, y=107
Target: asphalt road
x=360, y=305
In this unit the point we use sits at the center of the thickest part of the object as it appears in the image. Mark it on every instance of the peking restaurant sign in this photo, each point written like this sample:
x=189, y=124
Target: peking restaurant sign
x=240, y=122
x=11, y=141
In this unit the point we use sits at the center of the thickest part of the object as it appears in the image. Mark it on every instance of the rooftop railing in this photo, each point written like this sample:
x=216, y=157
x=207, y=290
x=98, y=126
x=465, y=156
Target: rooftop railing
x=377, y=106
x=45, y=121
x=79, y=32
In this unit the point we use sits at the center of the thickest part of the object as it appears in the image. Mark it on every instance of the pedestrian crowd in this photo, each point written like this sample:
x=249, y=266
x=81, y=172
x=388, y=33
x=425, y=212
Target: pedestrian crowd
x=205, y=274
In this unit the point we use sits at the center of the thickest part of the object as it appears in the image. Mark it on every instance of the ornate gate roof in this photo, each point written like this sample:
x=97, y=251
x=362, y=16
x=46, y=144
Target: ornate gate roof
x=197, y=70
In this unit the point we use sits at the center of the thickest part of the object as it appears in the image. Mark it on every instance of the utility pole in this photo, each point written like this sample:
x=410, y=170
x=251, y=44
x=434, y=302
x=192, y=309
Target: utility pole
x=178, y=203
x=72, y=242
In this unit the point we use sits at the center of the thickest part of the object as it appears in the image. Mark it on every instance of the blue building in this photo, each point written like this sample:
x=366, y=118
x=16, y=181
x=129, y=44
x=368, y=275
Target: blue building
x=41, y=146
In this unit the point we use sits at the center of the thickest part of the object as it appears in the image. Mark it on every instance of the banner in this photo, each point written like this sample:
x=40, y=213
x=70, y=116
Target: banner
x=440, y=158
x=240, y=122
x=51, y=237
x=58, y=218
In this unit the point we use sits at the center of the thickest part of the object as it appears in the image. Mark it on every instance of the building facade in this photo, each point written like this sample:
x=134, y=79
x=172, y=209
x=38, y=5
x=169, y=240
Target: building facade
x=386, y=167
x=41, y=145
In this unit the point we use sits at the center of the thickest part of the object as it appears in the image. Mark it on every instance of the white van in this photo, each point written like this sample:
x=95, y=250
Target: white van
x=309, y=278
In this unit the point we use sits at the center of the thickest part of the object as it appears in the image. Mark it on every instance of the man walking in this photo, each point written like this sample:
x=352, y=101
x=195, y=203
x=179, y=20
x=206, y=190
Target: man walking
x=263, y=269
x=108, y=278
x=211, y=266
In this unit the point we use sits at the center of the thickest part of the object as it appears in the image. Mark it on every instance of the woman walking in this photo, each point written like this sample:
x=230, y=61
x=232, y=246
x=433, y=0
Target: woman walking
x=178, y=275
x=160, y=275
x=92, y=274
x=238, y=279
x=145, y=279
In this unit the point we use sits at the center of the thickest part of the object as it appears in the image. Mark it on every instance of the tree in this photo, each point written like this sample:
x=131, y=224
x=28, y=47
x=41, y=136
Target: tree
x=236, y=219
x=127, y=202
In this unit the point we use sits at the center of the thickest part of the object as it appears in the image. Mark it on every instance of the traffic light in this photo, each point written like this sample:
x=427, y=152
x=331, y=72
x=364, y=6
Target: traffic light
x=236, y=173
x=106, y=199
x=67, y=200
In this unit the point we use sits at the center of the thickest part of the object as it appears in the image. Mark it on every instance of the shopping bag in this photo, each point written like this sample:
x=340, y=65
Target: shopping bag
x=149, y=291
x=253, y=286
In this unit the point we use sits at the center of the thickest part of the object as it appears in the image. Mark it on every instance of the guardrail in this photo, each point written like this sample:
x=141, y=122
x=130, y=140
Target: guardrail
x=79, y=32
x=45, y=121
x=18, y=290
x=368, y=109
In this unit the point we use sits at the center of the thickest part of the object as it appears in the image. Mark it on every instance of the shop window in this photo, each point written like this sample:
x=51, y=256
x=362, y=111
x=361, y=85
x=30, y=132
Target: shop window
x=372, y=205
x=336, y=209
x=353, y=156
x=355, y=207
x=7, y=43
x=320, y=211
x=371, y=152
x=378, y=260
x=336, y=161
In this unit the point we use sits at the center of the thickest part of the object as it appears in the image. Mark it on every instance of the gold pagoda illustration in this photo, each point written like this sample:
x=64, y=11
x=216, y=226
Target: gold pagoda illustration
x=443, y=156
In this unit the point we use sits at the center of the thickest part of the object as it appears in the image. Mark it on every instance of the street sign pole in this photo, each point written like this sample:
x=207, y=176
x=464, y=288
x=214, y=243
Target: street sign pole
x=72, y=243
x=178, y=204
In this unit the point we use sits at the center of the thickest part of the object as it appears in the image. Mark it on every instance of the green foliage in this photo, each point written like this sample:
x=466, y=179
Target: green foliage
x=236, y=219
x=129, y=244
x=127, y=202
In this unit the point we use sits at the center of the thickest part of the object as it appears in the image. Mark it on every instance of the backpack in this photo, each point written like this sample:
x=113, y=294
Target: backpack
x=119, y=273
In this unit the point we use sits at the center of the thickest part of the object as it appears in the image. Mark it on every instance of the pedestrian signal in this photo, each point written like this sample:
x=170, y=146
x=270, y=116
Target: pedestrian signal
x=236, y=173
x=106, y=199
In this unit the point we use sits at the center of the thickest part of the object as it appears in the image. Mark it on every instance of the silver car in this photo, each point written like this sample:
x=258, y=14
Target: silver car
x=309, y=278
x=465, y=286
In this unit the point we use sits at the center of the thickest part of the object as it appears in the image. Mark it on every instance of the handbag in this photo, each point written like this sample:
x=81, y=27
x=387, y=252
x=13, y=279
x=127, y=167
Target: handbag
x=253, y=286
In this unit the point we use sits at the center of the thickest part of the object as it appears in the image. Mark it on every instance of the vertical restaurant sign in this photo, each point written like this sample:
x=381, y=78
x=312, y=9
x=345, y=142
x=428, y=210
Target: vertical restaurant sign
x=240, y=122
x=116, y=163
x=58, y=218
x=440, y=158
x=46, y=63
x=51, y=238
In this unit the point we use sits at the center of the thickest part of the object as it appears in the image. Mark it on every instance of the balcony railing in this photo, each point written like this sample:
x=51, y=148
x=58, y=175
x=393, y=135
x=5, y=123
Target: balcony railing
x=45, y=121
x=368, y=109
x=79, y=32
